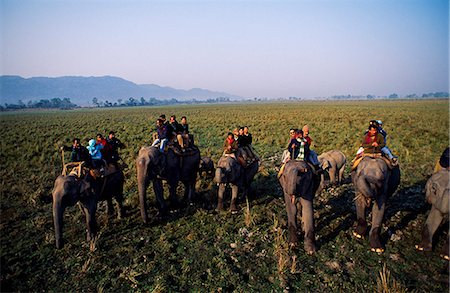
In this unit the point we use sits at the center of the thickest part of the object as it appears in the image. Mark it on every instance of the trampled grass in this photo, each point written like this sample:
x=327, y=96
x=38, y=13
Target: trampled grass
x=197, y=249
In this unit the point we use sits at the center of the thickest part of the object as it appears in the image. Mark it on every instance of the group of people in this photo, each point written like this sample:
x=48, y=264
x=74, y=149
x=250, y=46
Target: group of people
x=299, y=148
x=299, y=145
x=240, y=140
x=97, y=152
x=374, y=142
x=170, y=130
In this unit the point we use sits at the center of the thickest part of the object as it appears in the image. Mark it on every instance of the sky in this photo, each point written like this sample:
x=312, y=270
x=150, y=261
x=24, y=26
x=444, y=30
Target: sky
x=273, y=49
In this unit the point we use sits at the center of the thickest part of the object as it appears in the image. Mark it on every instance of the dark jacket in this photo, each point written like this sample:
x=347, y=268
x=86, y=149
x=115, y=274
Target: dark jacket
x=115, y=144
x=245, y=140
x=184, y=128
x=78, y=154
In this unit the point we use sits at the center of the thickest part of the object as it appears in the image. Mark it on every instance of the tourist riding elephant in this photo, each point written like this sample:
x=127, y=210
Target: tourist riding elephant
x=437, y=193
x=230, y=171
x=373, y=180
x=299, y=184
x=88, y=190
x=334, y=163
x=207, y=166
x=152, y=165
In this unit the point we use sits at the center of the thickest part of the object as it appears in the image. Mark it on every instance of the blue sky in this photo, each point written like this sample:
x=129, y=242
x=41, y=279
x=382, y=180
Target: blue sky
x=249, y=48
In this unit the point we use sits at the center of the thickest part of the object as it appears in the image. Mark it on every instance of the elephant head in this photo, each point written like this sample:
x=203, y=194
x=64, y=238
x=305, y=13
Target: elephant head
x=149, y=165
x=228, y=171
x=297, y=179
x=437, y=191
x=67, y=191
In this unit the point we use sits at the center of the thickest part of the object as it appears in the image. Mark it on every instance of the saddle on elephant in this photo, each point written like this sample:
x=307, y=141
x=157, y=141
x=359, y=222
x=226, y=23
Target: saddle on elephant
x=359, y=158
x=80, y=170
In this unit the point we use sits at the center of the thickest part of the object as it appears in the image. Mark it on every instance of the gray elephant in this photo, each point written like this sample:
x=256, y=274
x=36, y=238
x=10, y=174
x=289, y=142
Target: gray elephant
x=154, y=166
x=373, y=180
x=299, y=183
x=334, y=163
x=437, y=193
x=206, y=166
x=230, y=171
x=88, y=190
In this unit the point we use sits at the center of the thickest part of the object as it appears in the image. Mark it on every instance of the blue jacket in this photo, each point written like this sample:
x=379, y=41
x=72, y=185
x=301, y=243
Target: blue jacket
x=94, y=150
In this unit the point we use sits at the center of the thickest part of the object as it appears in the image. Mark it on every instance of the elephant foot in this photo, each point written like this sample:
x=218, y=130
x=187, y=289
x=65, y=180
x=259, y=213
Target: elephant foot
x=219, y=207
x=292, y=237
x=374, y=240
x=360, y=229
x=377, y=250
x=233, y=207
x=423, y=247
x=309, y=245
x=59, y=243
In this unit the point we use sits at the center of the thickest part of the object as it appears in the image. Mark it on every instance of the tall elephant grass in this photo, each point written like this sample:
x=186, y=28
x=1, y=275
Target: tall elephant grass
x=196, y=249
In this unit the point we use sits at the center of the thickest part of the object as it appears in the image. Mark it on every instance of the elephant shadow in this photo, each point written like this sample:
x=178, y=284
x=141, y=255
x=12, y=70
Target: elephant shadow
x=340, y=209
x=409, y=200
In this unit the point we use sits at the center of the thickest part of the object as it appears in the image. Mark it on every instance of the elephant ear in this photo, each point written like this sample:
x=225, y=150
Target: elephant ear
x=85, y=188
x=326, y=165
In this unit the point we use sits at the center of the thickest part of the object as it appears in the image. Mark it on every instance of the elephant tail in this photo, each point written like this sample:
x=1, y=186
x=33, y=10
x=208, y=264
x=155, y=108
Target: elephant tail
x=364, y=186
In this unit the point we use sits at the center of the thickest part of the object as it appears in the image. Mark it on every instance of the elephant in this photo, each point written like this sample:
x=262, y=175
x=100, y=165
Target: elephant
x=230, y=171
x=87, y=190
x=334, y=162
x=299, y=183
x=374, y=180
x=207, y=166
x=437, y=193
x=152, y=165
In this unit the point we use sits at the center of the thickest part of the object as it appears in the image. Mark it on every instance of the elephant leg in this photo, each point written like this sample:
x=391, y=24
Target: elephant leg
x=220, y=193
x=361, y=226
x=377, y=218
x=291, y=210
x=159, y=193
x=433, y=221
x=445, y=249
x=109, y=207
x=120, y=208
x=90, y=207
x=332, y=173
x=173, y=196
x=189, y=191
x=234, y=195
x=308, y=225
x=341, y=174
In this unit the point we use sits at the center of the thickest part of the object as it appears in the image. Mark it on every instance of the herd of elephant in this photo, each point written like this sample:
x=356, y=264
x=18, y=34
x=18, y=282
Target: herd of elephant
x=373, y=181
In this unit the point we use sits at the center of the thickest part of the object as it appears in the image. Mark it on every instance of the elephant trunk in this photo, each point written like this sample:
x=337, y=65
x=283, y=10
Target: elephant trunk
x=364, y=186
x=58, y=212
x=141, y=166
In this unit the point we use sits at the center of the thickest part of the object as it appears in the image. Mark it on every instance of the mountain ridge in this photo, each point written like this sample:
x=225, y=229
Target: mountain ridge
x=82, y=89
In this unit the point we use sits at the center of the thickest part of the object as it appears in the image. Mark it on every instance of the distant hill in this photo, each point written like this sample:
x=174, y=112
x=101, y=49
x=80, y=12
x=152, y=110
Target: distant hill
x=81, y=90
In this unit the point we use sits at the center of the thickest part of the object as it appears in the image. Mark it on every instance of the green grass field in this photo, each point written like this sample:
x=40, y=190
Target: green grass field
x=197, y=249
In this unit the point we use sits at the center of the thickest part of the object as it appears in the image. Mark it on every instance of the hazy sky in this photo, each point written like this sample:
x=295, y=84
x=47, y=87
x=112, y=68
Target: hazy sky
x=249, y=48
